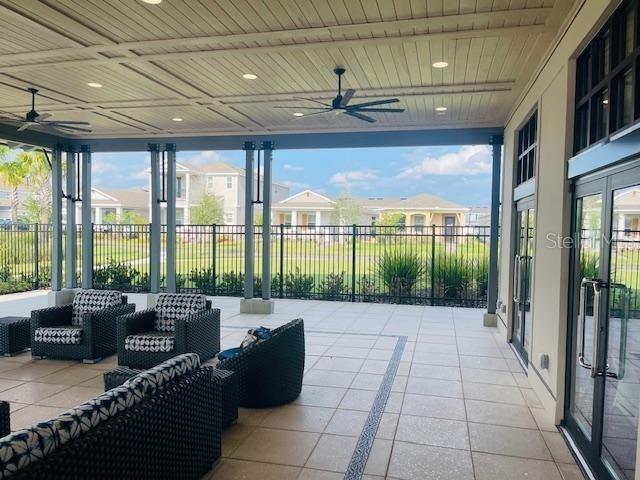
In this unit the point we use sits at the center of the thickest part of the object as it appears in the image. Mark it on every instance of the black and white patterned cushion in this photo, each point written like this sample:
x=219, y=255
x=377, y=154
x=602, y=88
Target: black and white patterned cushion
x=64, y=335
x=87, y=301
x=26, y=446
x=172, y=306
x=150, y=342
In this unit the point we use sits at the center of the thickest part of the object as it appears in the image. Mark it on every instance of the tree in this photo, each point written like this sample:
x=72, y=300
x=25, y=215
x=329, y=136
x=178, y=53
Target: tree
x=208, y=211
x=38, y=205
x=392, y=219
x=13, y=173
x=347, y=211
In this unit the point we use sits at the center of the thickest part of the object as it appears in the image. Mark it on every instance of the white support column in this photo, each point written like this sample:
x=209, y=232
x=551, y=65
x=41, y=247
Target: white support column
x=170, y=149
x=87, y=226
x=98, y=219
x=154, y=241
x=267, y=148
x=294, y=218
x=56, y=219
x=249, y=148
x=71, y=240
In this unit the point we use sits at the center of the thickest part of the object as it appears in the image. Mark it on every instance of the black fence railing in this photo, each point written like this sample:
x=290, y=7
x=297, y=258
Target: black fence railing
x=429, y=265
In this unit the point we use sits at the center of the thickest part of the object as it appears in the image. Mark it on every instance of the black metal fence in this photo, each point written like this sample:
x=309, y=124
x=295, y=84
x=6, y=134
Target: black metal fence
x=420, y=265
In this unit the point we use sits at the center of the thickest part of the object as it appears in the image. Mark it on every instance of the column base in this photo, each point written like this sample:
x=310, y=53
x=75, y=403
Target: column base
x=61, y=297
x=257, y=305
x=490, y=320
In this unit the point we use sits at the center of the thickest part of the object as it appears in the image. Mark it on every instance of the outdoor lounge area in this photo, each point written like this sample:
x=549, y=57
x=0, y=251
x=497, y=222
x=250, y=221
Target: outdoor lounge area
x=488, y=340
x=459, y=405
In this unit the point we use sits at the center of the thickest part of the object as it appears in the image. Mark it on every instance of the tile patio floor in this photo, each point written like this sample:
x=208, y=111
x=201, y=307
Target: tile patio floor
x=460, y=405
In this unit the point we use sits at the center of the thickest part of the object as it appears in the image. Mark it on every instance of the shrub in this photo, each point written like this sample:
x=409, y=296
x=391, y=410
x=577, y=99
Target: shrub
x=400, y=272
x=118, y=276
x=232, y=283
x=14, y=286
x=367, y=289
x=298, y=284
x=453, y=276
x=333, y=286
x=204, y=280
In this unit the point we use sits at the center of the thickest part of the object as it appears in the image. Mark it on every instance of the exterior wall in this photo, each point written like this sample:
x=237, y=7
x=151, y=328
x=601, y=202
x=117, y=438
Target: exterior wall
x=552, y=94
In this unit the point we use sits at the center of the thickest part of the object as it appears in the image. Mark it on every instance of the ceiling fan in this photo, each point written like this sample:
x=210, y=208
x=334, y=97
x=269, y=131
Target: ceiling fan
x=35, y=119
x=340, y=104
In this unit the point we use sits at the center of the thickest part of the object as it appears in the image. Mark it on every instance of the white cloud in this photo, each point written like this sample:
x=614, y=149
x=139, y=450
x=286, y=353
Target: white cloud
x=293, y=168
x=353, y=177
x=469, y=160
x=204, y=157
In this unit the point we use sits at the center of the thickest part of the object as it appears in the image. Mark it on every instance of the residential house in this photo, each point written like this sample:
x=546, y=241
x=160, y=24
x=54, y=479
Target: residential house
x=225, y=181
x=311, y=209
x=108, y=205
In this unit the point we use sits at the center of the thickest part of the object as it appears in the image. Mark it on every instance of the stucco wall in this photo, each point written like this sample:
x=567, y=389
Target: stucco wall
x=552, y=93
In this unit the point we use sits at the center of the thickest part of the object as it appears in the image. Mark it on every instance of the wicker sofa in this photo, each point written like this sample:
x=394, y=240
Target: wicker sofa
x=82, y=330
x=270, y=372
x=165, y=422
x=179, y=323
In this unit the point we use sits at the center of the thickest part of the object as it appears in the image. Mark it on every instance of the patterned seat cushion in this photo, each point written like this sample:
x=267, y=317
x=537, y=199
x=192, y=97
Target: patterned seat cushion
x=66, y=335
x=172, y=306
x=26, y=446
x=150, y=342
x=87, y=301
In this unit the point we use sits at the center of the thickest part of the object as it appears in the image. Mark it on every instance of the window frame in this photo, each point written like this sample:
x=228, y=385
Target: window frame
x=619, y=62
x=527, y=151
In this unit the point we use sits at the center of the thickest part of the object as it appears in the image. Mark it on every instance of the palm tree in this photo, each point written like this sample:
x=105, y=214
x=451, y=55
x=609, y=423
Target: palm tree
x=39, y=177
x=13, y=174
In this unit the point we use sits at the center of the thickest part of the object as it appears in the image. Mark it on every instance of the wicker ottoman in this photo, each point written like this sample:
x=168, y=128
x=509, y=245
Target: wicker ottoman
x=15, y=335
x=117, y=377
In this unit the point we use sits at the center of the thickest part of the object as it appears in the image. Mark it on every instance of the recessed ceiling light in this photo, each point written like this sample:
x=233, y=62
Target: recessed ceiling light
x=298, y=114
x=249, y=76
x=176, y=119
x=94, y=85
x=440, y=64
x=152, y=2
x=441, y=109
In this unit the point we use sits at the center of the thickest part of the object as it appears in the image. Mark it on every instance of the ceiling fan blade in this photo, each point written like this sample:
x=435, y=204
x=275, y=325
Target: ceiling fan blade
x=64, y=122
x=301, y=108
x=392, y=110
x=312, y=100
x=24, y=126
x=346, y=97
x=359, y=116
x=42, y=117
x=375, y=102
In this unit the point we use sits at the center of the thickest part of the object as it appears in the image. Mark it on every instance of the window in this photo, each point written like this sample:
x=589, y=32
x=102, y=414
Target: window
x=210, y=184
x=179, y=187
x=606, y=99
x=229, y=182
x=228, y=218
x=527, y=142
x=449, y=225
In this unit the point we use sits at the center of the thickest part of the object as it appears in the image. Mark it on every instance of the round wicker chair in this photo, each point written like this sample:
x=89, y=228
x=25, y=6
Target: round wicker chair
x=270, y=372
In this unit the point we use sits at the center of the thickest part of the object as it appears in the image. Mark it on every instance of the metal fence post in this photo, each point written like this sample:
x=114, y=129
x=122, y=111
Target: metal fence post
x=433, y=264
x=213, y=253
x=281, y=260
x=353, y=263
x=36, y=257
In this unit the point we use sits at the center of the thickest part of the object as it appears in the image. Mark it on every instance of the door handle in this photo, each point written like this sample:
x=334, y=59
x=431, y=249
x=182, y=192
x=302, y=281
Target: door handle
x=624, y=325
x=516, y=279
x=596, y=284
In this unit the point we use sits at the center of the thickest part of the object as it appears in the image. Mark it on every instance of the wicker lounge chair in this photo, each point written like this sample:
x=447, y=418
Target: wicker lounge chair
x=180, y=323
x=82, y=330
x=270, y=372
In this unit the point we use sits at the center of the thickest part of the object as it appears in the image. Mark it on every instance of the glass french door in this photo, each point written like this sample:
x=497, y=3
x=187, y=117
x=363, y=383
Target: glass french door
x=604, y=340
x=522, y=277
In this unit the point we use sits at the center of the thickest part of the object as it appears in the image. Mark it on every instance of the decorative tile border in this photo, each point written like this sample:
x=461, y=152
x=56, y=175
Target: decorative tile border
x=360, y=456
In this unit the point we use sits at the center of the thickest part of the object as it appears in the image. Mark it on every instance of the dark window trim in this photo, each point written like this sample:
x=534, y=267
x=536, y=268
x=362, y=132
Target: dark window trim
x=527, y=147
x=615, y=29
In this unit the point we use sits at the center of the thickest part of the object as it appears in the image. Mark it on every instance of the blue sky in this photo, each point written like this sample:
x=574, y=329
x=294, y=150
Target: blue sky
x=459, y=174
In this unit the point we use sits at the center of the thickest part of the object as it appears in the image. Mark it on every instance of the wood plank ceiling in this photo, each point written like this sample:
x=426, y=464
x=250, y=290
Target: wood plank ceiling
x=185, y=59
